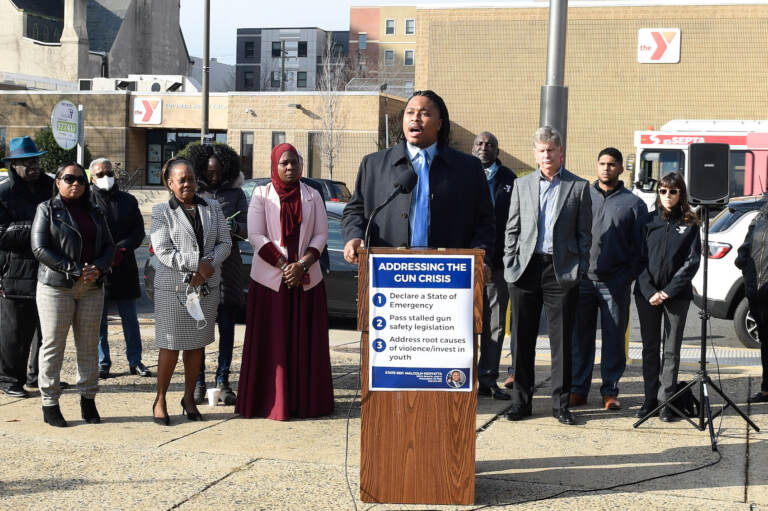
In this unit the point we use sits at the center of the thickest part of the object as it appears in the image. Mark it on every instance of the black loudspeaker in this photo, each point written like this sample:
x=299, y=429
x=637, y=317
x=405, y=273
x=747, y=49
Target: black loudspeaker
x=708, y=179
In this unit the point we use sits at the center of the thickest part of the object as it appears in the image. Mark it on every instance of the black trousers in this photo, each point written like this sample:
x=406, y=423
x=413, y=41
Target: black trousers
x=537, y=288
x=18, y=323
x=758, y=305
x=673, y=314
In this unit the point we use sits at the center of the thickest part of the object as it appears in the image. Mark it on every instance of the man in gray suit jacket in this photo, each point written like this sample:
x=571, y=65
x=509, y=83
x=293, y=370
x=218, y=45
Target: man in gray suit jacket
x=546, y=252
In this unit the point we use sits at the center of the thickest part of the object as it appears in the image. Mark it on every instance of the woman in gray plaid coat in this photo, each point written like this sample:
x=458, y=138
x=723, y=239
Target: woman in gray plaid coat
x=190, y=237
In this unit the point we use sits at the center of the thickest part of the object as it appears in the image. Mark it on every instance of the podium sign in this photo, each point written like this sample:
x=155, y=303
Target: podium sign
x=418, y=418
x=420, y=322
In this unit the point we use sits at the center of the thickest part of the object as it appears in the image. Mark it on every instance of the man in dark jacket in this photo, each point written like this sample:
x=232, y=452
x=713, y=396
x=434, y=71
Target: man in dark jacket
x=496, y=294
x=122, y=285
x=454, y=198
x=25, y=188
x=618, y=217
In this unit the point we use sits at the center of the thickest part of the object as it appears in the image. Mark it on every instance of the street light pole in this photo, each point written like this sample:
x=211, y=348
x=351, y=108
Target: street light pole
x=554, y=95
x=206, y=69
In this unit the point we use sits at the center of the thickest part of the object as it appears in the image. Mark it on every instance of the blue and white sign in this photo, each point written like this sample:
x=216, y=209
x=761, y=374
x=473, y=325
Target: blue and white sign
x=421, y=322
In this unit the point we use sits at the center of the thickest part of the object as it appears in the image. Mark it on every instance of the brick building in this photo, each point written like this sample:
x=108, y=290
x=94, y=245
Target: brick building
x=489, y=65
x=120, y=126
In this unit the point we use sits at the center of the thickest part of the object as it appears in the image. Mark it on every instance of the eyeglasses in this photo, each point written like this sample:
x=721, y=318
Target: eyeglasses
x=672, y=191
x=71, y=179
x=108, y=173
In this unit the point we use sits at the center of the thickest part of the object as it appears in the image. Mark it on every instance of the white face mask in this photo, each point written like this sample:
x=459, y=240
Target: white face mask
x=105, y=182
x=194, y=308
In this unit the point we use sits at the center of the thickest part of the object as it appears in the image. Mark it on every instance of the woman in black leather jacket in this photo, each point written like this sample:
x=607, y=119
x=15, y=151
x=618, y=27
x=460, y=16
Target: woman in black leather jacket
x=72, y=242
x=752, y=259
x=671, y=254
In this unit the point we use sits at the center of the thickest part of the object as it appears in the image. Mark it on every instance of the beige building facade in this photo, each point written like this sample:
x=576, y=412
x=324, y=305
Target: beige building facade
x=142, y=131
x=489, y=65
x=382, y=45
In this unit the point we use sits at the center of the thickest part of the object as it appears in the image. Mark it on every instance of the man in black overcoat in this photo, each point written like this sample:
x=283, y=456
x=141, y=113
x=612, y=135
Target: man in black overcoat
x=122, y=285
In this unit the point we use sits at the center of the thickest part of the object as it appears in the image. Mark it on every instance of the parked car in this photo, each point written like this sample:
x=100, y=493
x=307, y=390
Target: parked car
x=725, y=286
x=340, y=277
x=333, y=191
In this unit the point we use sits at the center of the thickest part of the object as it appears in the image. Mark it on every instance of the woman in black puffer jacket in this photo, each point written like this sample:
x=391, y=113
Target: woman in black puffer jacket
x=752, y=259
x=217, y=168
x=671, y=257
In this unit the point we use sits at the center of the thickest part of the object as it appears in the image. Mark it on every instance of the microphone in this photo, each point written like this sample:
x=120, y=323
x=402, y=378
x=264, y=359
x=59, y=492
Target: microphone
x=405, y=183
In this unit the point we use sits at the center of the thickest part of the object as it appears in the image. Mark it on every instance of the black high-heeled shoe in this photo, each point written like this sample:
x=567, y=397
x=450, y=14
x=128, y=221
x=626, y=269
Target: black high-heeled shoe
x=163, y=421
x=193, y=416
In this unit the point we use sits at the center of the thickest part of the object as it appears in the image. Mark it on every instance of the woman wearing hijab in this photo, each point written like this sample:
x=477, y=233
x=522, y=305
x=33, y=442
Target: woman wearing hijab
x=286, y=367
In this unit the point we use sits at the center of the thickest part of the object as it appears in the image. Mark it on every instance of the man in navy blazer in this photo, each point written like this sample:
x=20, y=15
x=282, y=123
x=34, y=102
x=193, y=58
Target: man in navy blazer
x=546, y=253
x=459, y=215
x=501, y=180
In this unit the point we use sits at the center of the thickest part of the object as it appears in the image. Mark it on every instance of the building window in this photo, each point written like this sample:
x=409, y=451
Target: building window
x=389, y=27
x=302, y=49
x=278, y=137
x=246, y=153
x=389, y=57
x=362, y=41
x=275, y=79
x=301, y=80
x=277, y=49
x=408, y=58
x=410, y=27
x=248, y=79
x=249, y=49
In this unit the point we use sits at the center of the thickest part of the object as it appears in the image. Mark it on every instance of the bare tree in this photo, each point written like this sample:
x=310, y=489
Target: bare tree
x=331, y=79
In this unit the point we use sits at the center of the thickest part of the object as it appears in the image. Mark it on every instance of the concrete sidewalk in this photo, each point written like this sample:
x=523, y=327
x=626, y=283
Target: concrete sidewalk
x=225, y=462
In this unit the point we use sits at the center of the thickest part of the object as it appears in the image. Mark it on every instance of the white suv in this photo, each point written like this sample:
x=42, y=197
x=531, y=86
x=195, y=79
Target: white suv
x=725, y=286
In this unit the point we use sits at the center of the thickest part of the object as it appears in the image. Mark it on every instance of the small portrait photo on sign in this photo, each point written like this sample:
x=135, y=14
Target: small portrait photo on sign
x=455, y=378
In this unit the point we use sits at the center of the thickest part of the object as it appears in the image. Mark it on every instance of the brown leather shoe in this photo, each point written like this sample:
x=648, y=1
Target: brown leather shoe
x=576, y=399
x=510, y=381
x=611, y=403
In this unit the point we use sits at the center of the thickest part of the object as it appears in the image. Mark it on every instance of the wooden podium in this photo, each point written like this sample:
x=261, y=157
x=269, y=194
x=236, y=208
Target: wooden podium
x=418, y=447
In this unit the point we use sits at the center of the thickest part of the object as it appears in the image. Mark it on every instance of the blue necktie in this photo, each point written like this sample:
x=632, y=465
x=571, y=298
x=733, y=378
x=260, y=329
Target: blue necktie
x=420, y=227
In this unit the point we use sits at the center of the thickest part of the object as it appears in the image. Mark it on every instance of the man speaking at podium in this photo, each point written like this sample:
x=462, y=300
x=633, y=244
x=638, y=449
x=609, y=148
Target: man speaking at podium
x=449, y=207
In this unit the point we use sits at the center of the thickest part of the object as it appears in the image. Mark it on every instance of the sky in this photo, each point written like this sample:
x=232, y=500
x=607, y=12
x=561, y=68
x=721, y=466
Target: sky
x=229, y=15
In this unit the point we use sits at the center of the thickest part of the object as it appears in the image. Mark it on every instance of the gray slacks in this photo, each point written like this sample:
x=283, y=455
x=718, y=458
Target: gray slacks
x=495, y=303
x=59, y=308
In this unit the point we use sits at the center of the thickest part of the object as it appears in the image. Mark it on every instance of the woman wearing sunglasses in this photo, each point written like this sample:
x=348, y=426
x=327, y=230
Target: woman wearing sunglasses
x=671, y=256
x=72, y=242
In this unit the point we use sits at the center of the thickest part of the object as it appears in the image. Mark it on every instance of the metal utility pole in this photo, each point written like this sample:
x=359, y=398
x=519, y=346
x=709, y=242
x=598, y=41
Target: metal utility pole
x=81, y=135
x=554, y=95
x=206, y=69
x=282, y=65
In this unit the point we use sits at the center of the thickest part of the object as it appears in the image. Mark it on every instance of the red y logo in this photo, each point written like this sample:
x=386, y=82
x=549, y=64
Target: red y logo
x=662, y=39
x=149, y=108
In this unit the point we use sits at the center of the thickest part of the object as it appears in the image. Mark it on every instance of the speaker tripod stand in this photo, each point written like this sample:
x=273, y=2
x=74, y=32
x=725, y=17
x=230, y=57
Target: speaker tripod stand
x=702, y=379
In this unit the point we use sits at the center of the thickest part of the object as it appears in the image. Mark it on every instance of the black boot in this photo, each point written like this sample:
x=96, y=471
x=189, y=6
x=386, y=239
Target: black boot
x=52, y=415
x=88, y=410
x=227, y=395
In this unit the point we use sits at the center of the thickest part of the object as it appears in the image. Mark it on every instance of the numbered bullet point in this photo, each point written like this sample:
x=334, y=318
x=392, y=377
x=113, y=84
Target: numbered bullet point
x=379, y=345
x=379, y=323
x=379, y=299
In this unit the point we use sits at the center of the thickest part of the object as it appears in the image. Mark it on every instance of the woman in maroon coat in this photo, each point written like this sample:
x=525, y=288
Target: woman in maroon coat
x=286, y=368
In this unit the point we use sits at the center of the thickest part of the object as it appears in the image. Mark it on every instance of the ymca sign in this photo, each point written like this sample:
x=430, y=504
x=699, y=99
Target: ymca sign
x=658, y=45
x=147, y=110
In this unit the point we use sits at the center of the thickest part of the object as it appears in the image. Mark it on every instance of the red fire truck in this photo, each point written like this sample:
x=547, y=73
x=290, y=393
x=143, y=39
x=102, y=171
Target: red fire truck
x=666, y=150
